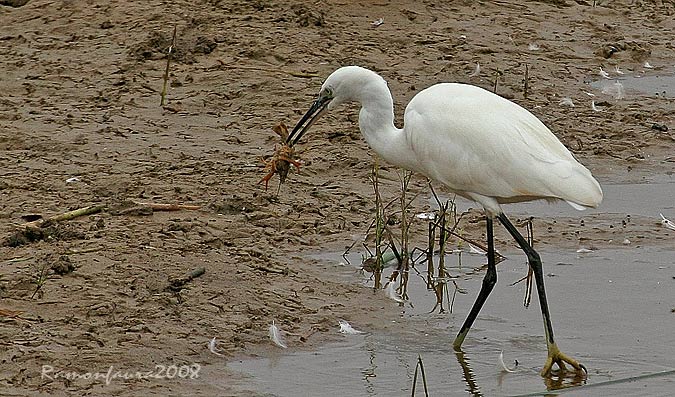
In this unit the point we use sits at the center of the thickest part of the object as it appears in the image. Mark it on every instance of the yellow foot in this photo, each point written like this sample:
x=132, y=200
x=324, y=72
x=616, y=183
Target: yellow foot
x=555, y=356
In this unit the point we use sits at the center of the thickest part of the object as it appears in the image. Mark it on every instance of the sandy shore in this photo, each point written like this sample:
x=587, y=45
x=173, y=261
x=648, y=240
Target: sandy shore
x=81, y=124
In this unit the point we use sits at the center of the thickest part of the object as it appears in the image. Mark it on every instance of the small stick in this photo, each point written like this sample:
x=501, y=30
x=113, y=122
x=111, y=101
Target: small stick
x=528, y=278
x=420, y=366
x=527, y=76
x=430, y=254
x=497, y=74
x=16, y=260
x=472, y=242
x=380, y=224
x=83, y=251
x=177, y=283
x=168, y=207
x=404, y=262
x=452, y=231
x=221, y=308
x=442, y=242
x=10, y=313
x=270, y=270
x=344, y=254
x=92, y=209
x=168, y=62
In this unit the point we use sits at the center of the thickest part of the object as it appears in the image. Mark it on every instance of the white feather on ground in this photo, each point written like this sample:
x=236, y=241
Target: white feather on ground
x=212, y=347
x=346, y=328
x=475, y=250
x=504, y=367
x=275, y=336
x=426, y=216
x=566, y=101
x=667, y=222
x=476, y=71
x=392, y=294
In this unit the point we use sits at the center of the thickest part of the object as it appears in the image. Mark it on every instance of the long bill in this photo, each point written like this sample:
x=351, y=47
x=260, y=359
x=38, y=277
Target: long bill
x=315, y=111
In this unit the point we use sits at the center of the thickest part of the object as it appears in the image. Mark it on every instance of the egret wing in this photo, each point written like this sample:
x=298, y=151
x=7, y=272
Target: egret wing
x=475, y=141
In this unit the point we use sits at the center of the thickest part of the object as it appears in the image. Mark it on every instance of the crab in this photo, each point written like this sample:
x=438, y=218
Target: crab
x=283, y=157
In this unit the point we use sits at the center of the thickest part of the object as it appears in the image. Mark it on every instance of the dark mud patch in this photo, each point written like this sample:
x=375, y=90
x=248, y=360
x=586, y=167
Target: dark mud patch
x=232, y=206
x=13, y=3
x=49, y=231
x=58, y=263
x=186, y=49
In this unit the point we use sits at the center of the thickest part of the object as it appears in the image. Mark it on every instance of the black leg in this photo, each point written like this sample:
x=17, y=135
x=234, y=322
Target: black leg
x=489, y=282
x=555, y=356
x=535, y=264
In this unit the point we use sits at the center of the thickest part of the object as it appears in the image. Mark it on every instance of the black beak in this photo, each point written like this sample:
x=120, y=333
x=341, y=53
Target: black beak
x=313, y=114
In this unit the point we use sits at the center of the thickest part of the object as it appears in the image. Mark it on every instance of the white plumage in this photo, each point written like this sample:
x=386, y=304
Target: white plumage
x=478, y=144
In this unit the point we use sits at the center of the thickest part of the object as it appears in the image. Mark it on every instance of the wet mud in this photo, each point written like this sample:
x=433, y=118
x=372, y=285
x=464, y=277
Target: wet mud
x=81, y=125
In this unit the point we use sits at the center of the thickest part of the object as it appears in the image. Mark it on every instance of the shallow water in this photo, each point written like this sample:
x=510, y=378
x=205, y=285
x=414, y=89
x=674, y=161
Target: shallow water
x=656, y=195
x=657, y=85
x=611, y=310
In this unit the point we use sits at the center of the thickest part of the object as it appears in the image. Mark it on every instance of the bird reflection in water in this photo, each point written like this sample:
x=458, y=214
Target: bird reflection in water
x=467, y=374
x=562, y=380
x=556, y=381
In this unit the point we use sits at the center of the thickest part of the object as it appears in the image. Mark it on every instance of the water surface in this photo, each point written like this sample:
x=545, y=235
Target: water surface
x=611, y=310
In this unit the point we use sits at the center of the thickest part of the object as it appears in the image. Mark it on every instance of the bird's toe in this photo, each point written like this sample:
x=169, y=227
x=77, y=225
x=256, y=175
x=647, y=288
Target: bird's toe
x=555, y=356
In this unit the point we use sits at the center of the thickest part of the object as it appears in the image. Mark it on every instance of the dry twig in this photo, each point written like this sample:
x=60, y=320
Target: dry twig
x=10, y=313
x=168, y=62
x=168, y=207
x=177, y=283
x=92, y=209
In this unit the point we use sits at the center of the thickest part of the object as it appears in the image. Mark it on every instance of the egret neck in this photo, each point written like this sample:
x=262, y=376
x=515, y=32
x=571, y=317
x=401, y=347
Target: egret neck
x=376, y=121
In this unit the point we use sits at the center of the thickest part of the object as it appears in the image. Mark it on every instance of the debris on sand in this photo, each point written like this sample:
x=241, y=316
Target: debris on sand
x=667, y=222
x=52, y=231
x=275, y=335
x=346, y=328
x=178, y=283
x=213, y=349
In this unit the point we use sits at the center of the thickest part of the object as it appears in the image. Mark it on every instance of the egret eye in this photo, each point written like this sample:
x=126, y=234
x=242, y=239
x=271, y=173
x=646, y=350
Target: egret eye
x=328, y=93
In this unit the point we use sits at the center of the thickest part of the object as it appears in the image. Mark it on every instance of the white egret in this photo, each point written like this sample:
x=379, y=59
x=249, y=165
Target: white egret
x=480, y=146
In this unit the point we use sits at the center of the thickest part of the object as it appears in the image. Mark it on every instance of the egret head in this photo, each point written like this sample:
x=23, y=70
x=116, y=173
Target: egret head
x=346, y=84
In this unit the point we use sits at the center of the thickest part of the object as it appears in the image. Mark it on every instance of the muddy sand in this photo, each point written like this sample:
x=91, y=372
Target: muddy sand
x=81, y=125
